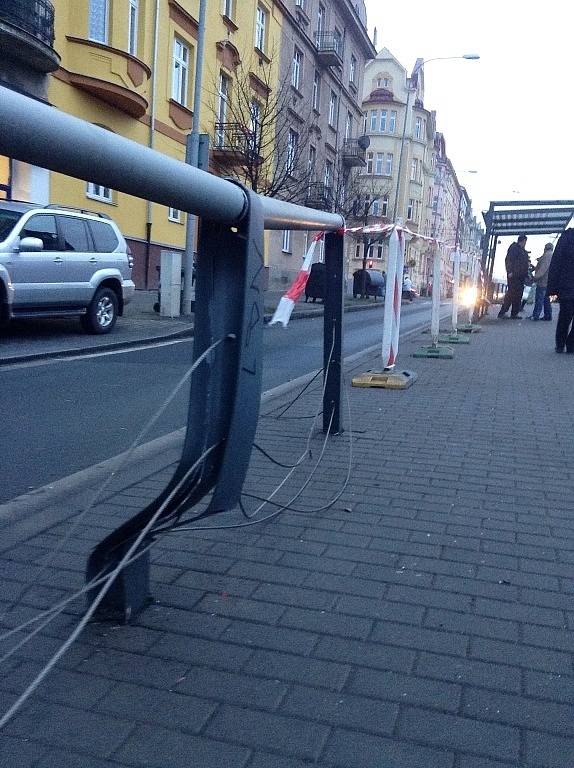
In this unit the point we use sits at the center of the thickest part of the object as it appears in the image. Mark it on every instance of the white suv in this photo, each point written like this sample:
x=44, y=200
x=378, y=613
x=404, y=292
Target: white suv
x=61, y=262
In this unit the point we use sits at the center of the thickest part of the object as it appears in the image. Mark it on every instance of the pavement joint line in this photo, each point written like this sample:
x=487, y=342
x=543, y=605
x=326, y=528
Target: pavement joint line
x=20, y=509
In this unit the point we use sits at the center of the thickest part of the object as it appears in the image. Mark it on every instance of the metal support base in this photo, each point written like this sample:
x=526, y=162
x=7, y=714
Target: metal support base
x=470, y=328
x=454, y=338
x=130, y=591
x=386, y=379
x=439, y=352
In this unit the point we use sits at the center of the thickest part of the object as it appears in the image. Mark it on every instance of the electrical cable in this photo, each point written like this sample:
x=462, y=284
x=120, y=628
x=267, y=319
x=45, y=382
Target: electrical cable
x=306, y=453
x=97, y=600
x=125, y=459
x=292, y=403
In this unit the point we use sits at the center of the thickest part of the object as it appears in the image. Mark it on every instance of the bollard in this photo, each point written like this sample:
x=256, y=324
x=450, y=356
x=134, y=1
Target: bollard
x=390, y=378
x=435, y=350
x=454, y=337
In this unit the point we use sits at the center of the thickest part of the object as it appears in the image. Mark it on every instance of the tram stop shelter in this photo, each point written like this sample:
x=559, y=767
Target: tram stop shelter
x=506, y=218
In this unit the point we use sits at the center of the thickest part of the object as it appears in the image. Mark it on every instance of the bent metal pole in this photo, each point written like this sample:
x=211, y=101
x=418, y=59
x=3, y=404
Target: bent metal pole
x=41, y=135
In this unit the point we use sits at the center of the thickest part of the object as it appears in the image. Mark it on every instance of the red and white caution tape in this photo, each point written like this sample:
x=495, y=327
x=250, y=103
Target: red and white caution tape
x=287, y=302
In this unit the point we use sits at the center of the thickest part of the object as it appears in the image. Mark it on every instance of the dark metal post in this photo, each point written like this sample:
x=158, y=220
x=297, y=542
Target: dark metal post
x=333, y=326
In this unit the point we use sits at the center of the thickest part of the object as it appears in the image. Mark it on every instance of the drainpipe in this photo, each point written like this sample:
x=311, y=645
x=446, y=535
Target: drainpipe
x=151, y=141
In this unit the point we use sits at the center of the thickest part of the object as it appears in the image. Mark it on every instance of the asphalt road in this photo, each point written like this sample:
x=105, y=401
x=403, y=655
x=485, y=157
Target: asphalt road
x=61, y=416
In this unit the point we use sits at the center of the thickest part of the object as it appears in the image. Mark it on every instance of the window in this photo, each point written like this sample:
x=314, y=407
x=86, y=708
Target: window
x=410, y=209
x=317, y=91
x=392, y=121
x=349, y=126
x=174, y=215
x=74, y=234
x=228, y=8
x=353, y=70
x=389, y=164
x=43, y=227
x=105, y=238
x=418, y=128
x=180, y=72
x=312, y=162
x=98, y=21
x=374, y=115
x=370, y=162
x=260, y=27
x=301, y=4
x=328, y=174
x=358, y=251
x=376, y=207
x=296, y=69
x=254, y=125
x=379, y=163
x=385, y=206
x=379, y=252
x=333, y=109
x=365, y=119
x=133, y=27
x=337, y=41
x=97, y=192
x=292, y=146
x=320, y=19
x=222, y=98
x=414, y=168
x=286, y=246
x=383, y=121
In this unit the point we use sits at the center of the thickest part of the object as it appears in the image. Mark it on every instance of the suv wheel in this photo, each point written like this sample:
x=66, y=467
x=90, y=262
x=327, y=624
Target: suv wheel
x=102, y=312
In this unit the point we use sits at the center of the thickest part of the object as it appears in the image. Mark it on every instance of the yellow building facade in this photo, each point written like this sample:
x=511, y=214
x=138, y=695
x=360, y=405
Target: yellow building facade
x=129, y=66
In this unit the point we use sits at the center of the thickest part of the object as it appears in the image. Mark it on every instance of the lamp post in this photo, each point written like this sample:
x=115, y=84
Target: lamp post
x=434, y=350
x=418, y=66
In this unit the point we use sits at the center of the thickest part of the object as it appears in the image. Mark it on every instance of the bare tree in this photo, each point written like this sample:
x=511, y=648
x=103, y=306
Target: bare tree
x=265, y=137
x=358, y=197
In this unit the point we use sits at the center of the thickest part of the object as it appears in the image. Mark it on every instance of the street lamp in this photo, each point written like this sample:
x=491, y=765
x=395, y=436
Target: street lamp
x=418, y=66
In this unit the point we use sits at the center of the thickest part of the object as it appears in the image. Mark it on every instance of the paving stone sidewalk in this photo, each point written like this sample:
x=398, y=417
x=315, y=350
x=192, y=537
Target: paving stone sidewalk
x=424, y=620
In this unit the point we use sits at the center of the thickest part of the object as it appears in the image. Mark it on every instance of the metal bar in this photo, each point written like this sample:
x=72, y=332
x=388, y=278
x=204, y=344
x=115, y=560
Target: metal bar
x=39, y=134
x=333, y=331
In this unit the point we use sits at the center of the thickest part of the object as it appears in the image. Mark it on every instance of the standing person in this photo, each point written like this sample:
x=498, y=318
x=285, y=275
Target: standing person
x=517, y=263
x=541, y=298
x=561, y=284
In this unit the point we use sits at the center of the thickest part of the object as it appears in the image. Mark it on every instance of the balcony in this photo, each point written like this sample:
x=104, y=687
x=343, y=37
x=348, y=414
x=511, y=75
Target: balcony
x=234, y=144
x=329, y=49
x=320, y=196
x=111, y=75
x=353, y=153
x=27, y=34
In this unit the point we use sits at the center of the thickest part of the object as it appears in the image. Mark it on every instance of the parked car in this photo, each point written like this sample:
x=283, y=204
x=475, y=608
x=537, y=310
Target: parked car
x=62, y=262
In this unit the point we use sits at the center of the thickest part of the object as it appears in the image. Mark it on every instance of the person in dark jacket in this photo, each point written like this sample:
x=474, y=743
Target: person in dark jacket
x=517, y=263
x=561, y=284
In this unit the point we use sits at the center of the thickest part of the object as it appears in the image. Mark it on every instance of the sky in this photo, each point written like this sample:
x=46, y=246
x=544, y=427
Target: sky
x=508, y=116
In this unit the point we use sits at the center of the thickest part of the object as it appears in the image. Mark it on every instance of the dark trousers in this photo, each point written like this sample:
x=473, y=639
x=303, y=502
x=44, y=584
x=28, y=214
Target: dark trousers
x=513, y=296
x=542, y=300
x=565, y=326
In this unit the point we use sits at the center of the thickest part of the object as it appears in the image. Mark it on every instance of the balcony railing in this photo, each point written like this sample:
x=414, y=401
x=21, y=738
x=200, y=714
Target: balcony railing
x=353, y=154
x=329, y=48
x=235, y=142
x=36, y=17
x=320, y=196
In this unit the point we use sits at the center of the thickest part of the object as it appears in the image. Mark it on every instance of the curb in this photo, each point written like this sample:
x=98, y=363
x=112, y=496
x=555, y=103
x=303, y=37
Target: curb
x=16, y=515
x=144, y=342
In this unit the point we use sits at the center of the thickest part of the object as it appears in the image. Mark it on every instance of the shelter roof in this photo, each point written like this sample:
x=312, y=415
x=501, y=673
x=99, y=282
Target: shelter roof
x=529, y=217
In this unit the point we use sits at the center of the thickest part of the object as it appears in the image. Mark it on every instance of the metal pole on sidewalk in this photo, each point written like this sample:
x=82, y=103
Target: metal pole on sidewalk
x=192, y=158
x=332, y=335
